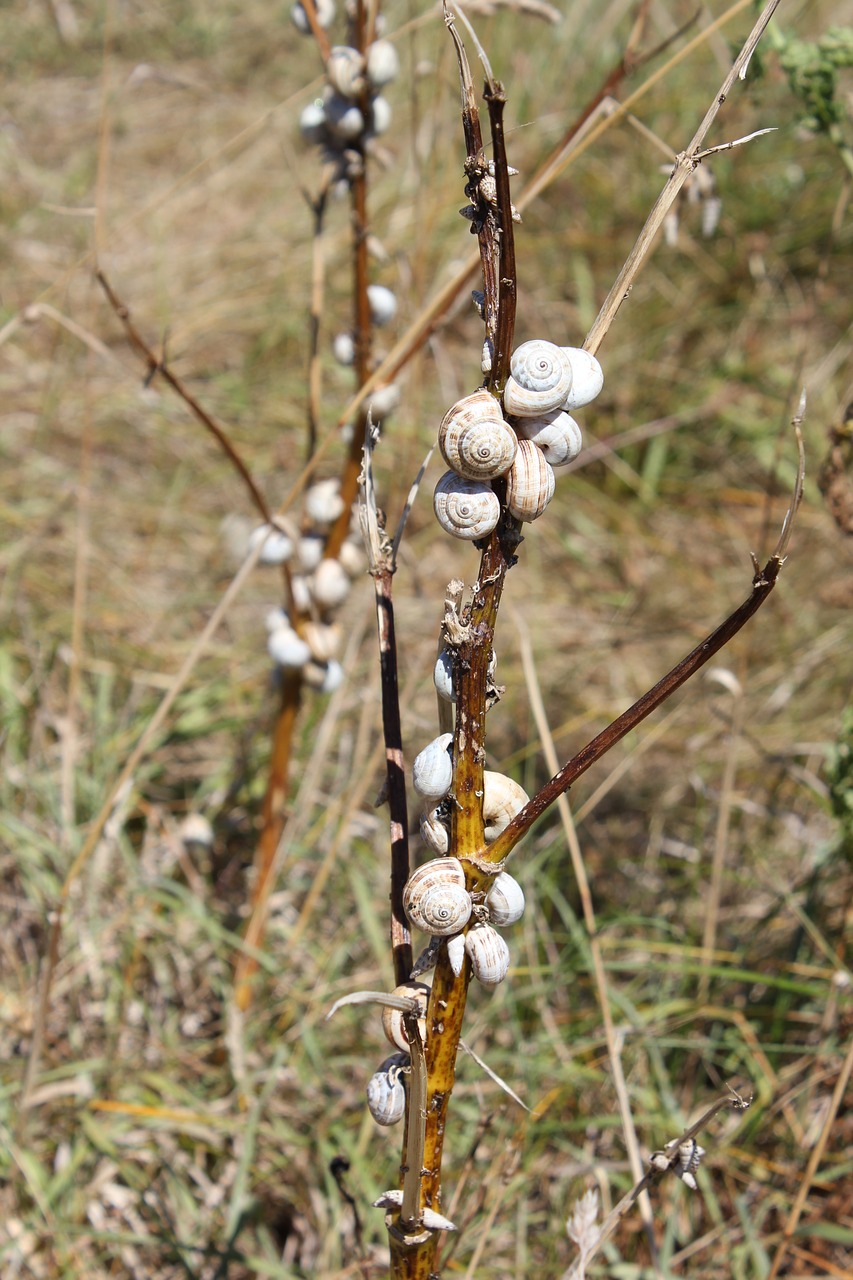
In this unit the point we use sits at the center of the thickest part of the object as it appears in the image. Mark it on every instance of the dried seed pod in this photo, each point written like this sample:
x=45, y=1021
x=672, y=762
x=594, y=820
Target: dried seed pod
x=287, y=648
x=467, y=509
x=488, y=953
x=556, y=434
x=392, y=1019
x=587, y=377
x=456, y=953
x=505, y=900
x=345, y=71
x=433, y=832
x=329, y=584
x=435, y=898
x=540, y=379
x=503, y=798
x=432, y=770
x=474, y=439
x=386, y=1093
x=383, y=63
x=383, y=304
x=530, y=483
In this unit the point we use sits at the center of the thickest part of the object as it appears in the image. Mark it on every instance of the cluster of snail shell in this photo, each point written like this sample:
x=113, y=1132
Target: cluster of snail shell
x=523, y=442
x=319, y=585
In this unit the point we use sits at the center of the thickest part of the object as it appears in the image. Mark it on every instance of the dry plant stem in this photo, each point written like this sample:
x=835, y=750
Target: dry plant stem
x=274, y=816
x=317, y=31
x=157, y=365
x=315, y=368
x=685, y=164
x=507, y=280
x=721, y=837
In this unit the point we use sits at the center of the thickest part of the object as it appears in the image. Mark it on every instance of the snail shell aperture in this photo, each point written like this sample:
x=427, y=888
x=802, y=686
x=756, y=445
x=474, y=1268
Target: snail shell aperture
x=505, y=900
x=503, y=798
x=435, y=898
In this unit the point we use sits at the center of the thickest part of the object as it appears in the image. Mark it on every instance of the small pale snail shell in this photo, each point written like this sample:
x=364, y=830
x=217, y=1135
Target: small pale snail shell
x=442, y=676
x=474, y=439
x=466, y=509
x=432, y=770
x=503, y=798
x=488, y=953
x=345, y=70
x=277, y=547
x=310, y=550
x=383, y=304
x=556, y=434
x=323, y=501
x=380, y=111
x=435, y=898
x=433, y=832
x=587, y=377
x=330, y=584
x=383, y=63
x=323, y=639
x=324, y=676
x=383, y=401
x=530, y=483
x=325, y=10
x=312, y=123
x=287, y=648
x=392, y=1019
x=386, y=1093
x=343, y=117
x=343, y=348
x=456, y=953
x=540, y=379
x=505, y=900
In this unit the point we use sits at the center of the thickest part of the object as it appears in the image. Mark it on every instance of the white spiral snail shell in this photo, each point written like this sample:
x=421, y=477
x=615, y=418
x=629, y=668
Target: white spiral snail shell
x=540, y=379
x=488, y=953
x=432, y=769
x=556, y=434
x=392, y=1019
x=386, y=1093
x=345, y=70
x=503, y=798
x=505, y=900
x=475, y=440
x=383, y=63
x=435, y=898
x=530, y=483
x=467, y=509
x=287, y=648
x=587, y=377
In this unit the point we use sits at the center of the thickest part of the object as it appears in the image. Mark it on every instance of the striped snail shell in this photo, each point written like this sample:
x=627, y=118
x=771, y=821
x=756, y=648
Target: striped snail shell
x=435, y=898
x=587, y=377
x=345, y=70
x=432, y=770
x=474, y=439
x=386, y=1093
x=530, y=484
x=503, y=798
x=505, y=900
x=556, y=434
x=540, y=379
x=466, y=509
x=488, y=953
x=392, y=1019
x=433, y=832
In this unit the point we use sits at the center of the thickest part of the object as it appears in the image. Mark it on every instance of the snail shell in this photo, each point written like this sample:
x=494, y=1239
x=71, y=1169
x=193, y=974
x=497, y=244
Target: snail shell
x=435, y=898
x=323, y=639
x=277, y=546
x=312, y=123
x=383, y=304
x=323, y=501
x=329, y=584
x=456, y=953
x=386, y=1093
x=287, y=648
x=587, y=377
x=384, y=401
x=300, y=593
x=343, y=117
x=442, y=676
x=433, y=832
x=474, y=439
x=324, y=676
x=310, y=551
x=383, y=63
x=503, y=798
x=466, y=509
x=540, y=379
x=380, y=111
x=556, y=434
x=432, y=770
x=392, y=1019
x=488, y=953
x=343, y=348
x=345, y=70
x=530, y=484
x=325, y=10
x=505, y=900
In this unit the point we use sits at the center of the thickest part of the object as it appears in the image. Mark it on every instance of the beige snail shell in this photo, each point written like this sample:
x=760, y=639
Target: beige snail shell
x=386, y=1093
x=505, y=900
x=392, y=1019
x=330, y=584
x=556, y=434
x=432, y=770
x=530, y=484
x=456, y=953
x=474, y=439
x=323, y=502
x=383, y=304
x=503, y=798
x=540, y=379
x=467, y=509
x=488, y=953
x=433, y=832
x=324, y=640
x=435, y=898
x=383, y=63
x=587, y=377
x=345, y=70
x=287, y=648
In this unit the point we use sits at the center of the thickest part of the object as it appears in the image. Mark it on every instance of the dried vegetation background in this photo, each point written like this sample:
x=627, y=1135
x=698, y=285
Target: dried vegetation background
x=163, y=1139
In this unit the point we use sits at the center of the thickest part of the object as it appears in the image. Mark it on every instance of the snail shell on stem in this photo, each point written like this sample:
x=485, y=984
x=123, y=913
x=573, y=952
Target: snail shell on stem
x=386, y=1093
x=435, y=898
x=556, y=434
x=505, y=900
x=433, y=832
x=488, y=953
x=432, y=770
x=503, y=798
x=467, y=509
x=587, y=377
x=392, y=1019
x=530, y=483
x=474, y=439
x=345, y=71
x=540, y=379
